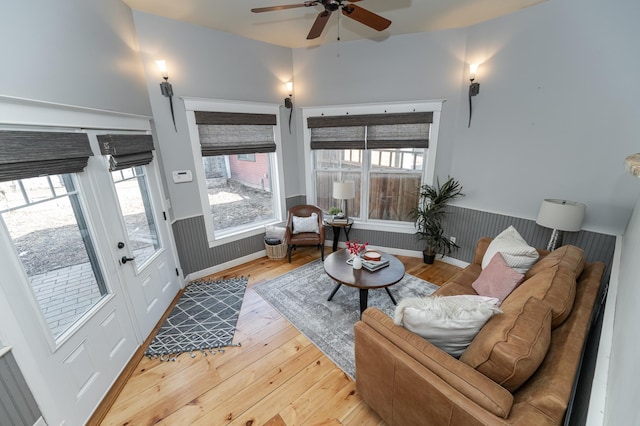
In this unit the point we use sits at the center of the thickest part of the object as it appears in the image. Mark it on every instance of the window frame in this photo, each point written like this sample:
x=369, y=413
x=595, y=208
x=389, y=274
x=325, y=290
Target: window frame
x=428, y=172
x=217, y=238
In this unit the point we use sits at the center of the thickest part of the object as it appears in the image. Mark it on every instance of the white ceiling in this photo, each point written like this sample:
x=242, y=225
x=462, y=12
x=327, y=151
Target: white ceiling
x=289, y=27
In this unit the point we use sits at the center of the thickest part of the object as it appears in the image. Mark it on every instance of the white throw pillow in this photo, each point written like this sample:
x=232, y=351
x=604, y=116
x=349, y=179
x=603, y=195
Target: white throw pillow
x=448, y=322
x=516, y=252
x=277, y=232
x=306, y=224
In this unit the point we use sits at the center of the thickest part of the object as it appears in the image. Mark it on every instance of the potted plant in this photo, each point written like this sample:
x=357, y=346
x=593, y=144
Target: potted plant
x=335, y=211
x=428, y=217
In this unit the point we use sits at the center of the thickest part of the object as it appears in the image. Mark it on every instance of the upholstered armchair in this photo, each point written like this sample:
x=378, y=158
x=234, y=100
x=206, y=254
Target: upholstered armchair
x=303, y=229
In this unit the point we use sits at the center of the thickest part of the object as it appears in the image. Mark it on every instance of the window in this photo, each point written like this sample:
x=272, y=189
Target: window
x=42, y=208
x=247, y=157
x=385, y=154
x=132, y=190
x=239, y=177
x=129, y=154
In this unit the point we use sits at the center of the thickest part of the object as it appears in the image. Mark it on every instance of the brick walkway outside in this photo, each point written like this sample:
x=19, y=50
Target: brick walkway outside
x=65, y=295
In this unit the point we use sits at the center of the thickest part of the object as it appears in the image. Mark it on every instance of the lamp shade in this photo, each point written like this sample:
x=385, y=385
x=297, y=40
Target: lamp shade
x=562, y=215
x=344, y=190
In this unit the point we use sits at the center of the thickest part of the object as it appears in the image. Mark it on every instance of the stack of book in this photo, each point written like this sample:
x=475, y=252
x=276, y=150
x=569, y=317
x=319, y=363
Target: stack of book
x=340, y=220
x=372, y=266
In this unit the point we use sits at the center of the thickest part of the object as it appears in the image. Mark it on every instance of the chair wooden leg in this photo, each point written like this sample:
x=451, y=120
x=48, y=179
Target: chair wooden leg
x=289, y=252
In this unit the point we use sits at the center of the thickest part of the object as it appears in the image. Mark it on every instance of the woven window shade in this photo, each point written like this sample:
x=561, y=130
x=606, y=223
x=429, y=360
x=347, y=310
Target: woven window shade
x=29, y=154
x=337, y=137
x=126, y=150
x=383, y=131
x=398, y=136
x=224, y=133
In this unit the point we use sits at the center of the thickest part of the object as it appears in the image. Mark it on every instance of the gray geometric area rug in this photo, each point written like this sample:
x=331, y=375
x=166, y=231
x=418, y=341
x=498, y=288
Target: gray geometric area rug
x=301, y=297
x=204, y=319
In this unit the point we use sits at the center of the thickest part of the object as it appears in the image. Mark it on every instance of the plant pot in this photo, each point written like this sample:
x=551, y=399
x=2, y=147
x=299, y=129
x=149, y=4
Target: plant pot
x=428, y=258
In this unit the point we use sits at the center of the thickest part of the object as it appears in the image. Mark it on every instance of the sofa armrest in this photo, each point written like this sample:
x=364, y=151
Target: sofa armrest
x=467, y=389
x=481, y=249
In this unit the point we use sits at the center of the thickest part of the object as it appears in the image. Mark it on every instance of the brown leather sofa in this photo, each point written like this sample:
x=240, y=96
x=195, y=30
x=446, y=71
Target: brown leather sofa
x=519, y=369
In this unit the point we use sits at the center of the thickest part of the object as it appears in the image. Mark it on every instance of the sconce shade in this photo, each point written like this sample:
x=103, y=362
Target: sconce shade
x=162, y=66
x=344, y=190
x=562, y=215
x=473, y=69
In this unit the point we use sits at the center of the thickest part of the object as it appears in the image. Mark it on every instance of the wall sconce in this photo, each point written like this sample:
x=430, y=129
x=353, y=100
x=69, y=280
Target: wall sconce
x=166, y=89
x=288, y=102
x=474, y=88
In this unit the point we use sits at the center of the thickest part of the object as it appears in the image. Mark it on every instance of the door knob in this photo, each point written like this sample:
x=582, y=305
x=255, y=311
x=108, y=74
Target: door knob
x=120, y=245
x=126, y=259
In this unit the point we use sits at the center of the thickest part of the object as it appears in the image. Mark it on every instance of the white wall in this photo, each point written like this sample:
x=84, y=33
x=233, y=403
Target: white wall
x=74, y=52
x=623, y=387
x=401, y=68
x=557, y=111
x=211, y=64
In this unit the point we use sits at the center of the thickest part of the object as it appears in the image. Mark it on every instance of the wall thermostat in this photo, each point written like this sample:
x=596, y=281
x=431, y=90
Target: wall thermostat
x=182, y=176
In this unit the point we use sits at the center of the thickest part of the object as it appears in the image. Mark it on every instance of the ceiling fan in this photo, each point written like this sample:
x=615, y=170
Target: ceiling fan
x=352, y=11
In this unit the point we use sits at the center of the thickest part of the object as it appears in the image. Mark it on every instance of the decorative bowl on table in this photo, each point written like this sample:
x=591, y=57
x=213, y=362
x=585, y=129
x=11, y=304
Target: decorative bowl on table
x=372, y=256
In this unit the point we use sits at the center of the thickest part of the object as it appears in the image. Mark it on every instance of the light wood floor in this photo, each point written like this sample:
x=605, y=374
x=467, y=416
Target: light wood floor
x=276, y=378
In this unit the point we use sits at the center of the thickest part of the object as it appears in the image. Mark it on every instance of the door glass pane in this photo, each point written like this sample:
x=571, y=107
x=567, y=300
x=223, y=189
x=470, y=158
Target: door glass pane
x=47, y=224
x=132, y=190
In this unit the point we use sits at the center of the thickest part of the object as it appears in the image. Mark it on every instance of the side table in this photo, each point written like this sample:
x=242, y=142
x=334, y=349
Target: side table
x=336, y=227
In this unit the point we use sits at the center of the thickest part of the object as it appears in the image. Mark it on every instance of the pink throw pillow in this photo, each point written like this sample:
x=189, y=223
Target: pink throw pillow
x=498, y=279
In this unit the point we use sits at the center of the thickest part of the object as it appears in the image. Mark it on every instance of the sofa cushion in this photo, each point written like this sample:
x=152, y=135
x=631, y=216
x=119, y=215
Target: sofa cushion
x=570, y=257
x=305, y=224
x=511, y=346
x=556, y=286
x=449, y=323
x=498, y=279
x=515, y=250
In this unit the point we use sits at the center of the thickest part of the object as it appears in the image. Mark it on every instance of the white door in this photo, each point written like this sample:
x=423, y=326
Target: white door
x=72, y=309
x=141, y=240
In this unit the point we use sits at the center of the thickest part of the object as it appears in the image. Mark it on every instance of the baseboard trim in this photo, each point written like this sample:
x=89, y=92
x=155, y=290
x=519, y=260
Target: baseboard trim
x=415, y=253
x=223, y=266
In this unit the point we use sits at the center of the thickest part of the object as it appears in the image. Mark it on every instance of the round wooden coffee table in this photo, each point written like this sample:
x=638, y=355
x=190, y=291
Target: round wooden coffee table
x=336, y=266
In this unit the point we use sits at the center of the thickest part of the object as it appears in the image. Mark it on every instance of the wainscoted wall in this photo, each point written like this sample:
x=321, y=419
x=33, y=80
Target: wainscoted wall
x=194, y=251
x=469, y=225
x=17, y=406
x=466, y=225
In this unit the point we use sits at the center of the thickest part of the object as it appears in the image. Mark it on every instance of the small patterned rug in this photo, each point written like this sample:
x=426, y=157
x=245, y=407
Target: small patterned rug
x=204, y=319
x=301, y=297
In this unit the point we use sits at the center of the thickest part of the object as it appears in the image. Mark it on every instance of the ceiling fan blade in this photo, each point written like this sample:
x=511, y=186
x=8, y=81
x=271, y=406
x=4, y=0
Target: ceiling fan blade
x=366, y=17
x=319, y=24
x=286, y=6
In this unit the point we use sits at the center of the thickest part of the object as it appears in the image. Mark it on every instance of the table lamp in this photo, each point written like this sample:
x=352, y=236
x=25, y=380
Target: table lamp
x=344, y=191
x=560, y=215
